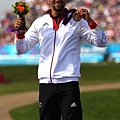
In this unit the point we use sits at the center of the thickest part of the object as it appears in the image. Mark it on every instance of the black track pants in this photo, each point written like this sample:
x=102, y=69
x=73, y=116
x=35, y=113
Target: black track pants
x=60, y=99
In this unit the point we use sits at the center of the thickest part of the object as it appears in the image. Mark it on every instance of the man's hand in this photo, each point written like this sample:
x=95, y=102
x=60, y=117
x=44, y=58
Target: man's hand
x=20, y=24
x=77, y=16
x=82, y=13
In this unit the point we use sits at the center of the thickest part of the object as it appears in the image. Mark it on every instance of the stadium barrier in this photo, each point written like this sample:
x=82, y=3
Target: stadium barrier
x=89, y=54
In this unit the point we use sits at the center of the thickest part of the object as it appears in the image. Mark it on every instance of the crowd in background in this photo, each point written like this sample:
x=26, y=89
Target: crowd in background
x=105, y=12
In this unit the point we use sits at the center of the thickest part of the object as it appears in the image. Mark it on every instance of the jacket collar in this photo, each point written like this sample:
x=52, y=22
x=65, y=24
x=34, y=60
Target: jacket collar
x=63, y=15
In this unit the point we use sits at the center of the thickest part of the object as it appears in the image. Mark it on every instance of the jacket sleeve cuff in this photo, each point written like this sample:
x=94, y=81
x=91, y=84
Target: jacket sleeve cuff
x=93, y=25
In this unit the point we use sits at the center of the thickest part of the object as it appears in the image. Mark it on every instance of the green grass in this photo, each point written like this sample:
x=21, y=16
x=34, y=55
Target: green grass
x=100, y=73
x=24, y=78
x=102, y=105
x=30, y=112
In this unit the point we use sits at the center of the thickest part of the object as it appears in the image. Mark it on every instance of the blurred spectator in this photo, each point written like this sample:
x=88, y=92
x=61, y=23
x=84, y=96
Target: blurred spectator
x=105, y=12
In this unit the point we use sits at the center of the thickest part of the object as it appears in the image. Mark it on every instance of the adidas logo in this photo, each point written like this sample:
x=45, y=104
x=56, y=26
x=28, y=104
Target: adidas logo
x=73, y=104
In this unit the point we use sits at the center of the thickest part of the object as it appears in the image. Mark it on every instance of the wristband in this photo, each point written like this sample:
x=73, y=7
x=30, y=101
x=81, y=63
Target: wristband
x=93, y=25
x=20, y=36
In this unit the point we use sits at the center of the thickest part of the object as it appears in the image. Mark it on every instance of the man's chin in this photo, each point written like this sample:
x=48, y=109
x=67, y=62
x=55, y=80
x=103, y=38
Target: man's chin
x=58, y=9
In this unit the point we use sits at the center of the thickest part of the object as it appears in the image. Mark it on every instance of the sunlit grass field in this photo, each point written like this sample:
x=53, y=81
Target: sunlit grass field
x=24, y=78
x=102, y=105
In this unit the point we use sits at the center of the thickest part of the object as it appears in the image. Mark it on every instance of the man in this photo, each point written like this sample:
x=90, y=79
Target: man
x=59, y=33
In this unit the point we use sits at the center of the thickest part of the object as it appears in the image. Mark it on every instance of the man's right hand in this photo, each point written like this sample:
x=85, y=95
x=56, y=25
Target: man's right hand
x=20, y=24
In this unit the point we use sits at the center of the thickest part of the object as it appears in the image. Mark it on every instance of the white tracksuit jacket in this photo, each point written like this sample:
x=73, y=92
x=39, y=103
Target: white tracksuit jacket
x=59, y=50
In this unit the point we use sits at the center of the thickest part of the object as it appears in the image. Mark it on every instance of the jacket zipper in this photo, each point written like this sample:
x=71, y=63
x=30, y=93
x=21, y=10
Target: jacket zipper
x=56, y=28
x=52, y=58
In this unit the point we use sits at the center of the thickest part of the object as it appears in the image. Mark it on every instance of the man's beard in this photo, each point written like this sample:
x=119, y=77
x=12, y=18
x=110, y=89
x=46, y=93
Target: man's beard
x=59, y=9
